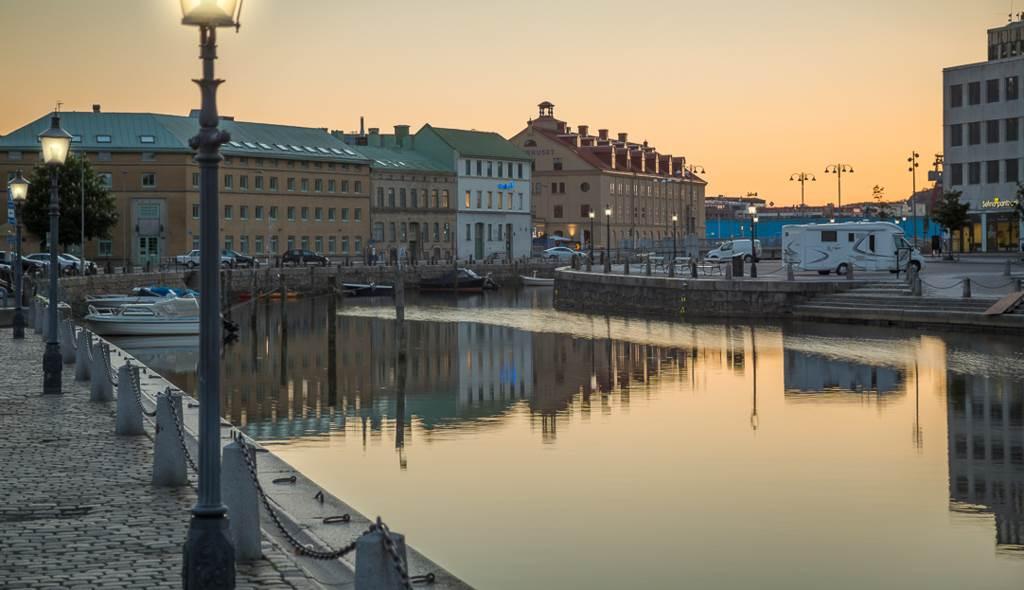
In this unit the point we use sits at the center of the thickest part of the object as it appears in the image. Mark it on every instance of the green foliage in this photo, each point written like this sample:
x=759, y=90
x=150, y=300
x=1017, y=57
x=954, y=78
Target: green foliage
x=100, y=206
x=950, y=213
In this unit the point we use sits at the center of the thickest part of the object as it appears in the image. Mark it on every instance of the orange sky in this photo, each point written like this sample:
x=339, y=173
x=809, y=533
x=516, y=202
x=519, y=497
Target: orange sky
x=753, y=90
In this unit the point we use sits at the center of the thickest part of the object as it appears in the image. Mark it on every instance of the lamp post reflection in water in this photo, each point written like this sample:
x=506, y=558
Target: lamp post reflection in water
x=754, y=422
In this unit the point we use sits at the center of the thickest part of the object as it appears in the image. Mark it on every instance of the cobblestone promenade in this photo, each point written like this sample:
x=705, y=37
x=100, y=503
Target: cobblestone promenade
x=78, y=510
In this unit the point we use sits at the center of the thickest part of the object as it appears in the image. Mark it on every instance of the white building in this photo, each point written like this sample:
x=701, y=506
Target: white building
x=493, y=218
x=982, y=109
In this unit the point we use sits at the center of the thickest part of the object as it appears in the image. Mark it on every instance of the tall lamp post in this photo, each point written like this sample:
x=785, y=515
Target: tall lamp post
x=912, y=160
x=19, y=190
x=752, y=211
x=801, y=177
x=608, y=239
x=839, y=170
x=209, y=557
x=55, y=144
x=590, y=261
x=672, y=262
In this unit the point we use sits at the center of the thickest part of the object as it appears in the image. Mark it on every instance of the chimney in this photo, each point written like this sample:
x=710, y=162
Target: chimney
x=96, y=108
x=602, y=134
x=665, y=164
x=583, y=130
x=560, y=127
x=362, y=127
x=401, y=134
x=623, y=137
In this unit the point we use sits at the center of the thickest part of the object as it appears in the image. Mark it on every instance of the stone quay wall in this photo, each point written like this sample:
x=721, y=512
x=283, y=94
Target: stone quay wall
x=683, y=298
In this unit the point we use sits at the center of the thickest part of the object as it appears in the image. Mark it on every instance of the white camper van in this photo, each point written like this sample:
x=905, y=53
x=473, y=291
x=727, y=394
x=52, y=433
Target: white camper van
x=866, y=245
x=727, y=250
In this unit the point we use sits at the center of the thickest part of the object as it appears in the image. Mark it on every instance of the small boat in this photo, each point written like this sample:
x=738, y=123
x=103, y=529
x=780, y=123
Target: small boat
x=139, y=295
x=366, y=290
x=167, y=316
x=535, y=281
x=462, y=280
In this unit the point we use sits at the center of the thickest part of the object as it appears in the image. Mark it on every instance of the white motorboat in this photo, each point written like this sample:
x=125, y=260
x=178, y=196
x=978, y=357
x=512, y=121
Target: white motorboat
x=167, y=316
x=536, y=281
x=139, y=295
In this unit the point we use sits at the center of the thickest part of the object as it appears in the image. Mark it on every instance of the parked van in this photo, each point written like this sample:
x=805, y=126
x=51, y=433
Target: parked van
x=732, y=248
x=835, y=247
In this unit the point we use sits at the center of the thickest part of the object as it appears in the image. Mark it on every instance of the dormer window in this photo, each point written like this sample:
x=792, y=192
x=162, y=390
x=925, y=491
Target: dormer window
x=147, y=139
x=103, y=139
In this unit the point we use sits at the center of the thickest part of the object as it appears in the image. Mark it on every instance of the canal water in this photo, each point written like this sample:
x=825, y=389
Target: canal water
x=531, y=448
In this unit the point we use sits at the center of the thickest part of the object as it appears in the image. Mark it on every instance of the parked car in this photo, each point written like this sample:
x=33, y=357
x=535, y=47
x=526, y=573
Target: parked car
x=239, y=259
x=191, y=259
x=562, y=253
x=67, y=267
x=77, y=264
x=27, y=266
x=303, y=257
x=732, y=248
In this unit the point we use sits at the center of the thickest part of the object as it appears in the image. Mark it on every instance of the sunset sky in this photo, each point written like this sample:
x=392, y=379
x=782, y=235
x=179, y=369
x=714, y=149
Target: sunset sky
x=751, y=90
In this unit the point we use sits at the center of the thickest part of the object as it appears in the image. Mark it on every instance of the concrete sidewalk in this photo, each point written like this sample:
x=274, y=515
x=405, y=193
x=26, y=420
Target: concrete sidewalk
x=79, y=510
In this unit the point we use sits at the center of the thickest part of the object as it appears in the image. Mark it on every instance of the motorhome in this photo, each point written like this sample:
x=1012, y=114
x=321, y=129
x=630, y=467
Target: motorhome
x=835, y=247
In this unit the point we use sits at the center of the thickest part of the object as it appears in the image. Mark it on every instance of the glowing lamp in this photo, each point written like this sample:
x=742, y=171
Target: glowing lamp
x=590, y=214
x=19, y=188
x=607, y=211
x=210, y=13
x=675, y=218
x=752, y=210
x=55, y=142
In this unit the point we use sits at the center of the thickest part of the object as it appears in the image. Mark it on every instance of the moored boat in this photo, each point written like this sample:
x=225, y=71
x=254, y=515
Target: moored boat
x=462, y=280
x=138, y=295
x=536, y=281
x=167, y=316
x=367, y=290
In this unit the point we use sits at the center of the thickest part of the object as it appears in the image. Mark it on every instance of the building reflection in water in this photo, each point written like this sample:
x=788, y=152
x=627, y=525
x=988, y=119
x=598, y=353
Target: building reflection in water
x=986, y=452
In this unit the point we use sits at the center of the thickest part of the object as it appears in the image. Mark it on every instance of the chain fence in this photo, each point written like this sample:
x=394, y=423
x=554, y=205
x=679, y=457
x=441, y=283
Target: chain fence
x=181, y=434
x=136, y=383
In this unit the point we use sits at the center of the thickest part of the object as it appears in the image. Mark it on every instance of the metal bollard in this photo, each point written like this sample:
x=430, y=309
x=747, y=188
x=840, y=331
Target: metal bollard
x=129, y=412
x=790, y=275
x=693, y=269
x=40, y=316
x=1006, y=268
x=168, y=453
x=917, y=288
x=728, y=271
x=100, y=388
x=967, y=288
x=647, y=268
x=625, y=266
x=375, y=568
x=83, y=359
x=67, y=341
x=243, y=504
x=849, y=272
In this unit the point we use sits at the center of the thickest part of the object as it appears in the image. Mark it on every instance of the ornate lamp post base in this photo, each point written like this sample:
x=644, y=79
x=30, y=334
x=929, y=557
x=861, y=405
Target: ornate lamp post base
x=209, y=556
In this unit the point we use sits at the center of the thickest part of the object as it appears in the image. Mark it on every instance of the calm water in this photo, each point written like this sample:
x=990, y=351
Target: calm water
x=538, y=449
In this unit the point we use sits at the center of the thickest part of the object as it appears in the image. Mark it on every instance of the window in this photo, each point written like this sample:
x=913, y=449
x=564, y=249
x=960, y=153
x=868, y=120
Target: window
x=259, y=212
x=479, y=199
x=195, y=210
x=973, y=133
x=468, y=169
x=992, y=91
x=106, y=248
x=358, y=214
x=829, y=236
x=332, y=185
x=378, y=232
x=974, y=173
x=992, y=172
x=1012, y=88
x=468, y=237
x=305, y=185
x=106, y=179
x=414, y=198
x=437, y=232
x=229, y=242
x=227, y=211
x=557, y=163
x=344, y=214
x=273, y=244
x=332, y=245
x=392, y=232
x=273, y=183
x=956, y=174
x=291, y=213
x=273, y=212
x=243, y=182
x=1012, y=166
x=258, y=182
x=148, y=179
x=229, y=181
x=291, y=183
x=956, y=95
x=318, y=185
x=305, y=214
x=243, y=212
x=14, y=155
x=490, y=199
x=391, y=198
x=1012, y=130
x=195, y=242
x=243, y=244
x=148, y=156
x=358, y=188
x=992, y=131
x=444, y=199
x=585, y=211
x=358, y=244
x=558, y=212
x=401, y=198
x=508, y=201
x=305, y=241
x=331, y=213
x=344, y=245
x=956, y=135
x=490, y=169
x=479, y=167
x=585, y=187
x=974, y=93
x=519, y=170
x=319, y=244
x=103, y=156
x=103, y=139
x=344, y=186
x=318, y=214
x=259, y=244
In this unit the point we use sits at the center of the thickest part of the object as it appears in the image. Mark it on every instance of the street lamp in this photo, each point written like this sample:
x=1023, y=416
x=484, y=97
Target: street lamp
x=839, y=170
x=802, y=177
x=209, y=557
x=591, y=215
x=608, y=239
x=19, y=190
x=912, y=160
x=696, y=169
x=55, y=144
x=672, y=263
x=752, y=211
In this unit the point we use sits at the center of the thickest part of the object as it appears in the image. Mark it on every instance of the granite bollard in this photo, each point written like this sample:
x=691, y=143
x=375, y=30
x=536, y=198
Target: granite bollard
x=375, y=568
x=169, y=469
x=100, y=387
x=129, y=412
x=242, y=501
x=83, y=359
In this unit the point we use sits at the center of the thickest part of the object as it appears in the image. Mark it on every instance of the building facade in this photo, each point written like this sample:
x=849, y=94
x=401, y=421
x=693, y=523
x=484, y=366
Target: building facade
x=576, y=172
x=413, y=208
x=492, y=196
x=280, y=186
x=983, y=149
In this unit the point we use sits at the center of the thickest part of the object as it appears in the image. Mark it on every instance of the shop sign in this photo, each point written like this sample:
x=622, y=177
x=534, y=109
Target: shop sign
x=997, y=203
x=507, y=186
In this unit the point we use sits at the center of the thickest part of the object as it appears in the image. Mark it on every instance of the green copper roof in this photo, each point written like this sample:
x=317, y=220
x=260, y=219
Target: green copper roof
x=479, y=144
x=385, y=158
x=153, y=132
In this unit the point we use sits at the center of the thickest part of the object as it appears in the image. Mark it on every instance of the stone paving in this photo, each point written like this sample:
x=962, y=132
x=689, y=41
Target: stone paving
x=78, y=509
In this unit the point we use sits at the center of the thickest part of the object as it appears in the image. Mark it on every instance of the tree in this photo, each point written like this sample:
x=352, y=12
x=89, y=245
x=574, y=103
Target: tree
x=882, y=209
x=100, y=206
x=951, y=214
